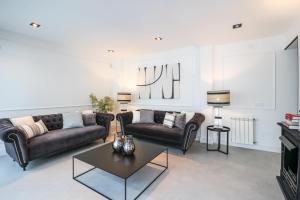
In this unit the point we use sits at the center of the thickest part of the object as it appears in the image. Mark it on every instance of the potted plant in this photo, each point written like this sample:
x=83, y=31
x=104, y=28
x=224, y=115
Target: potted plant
x=104, y=105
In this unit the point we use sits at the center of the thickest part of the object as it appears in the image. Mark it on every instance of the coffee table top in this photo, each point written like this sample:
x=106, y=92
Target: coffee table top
x=106, y=159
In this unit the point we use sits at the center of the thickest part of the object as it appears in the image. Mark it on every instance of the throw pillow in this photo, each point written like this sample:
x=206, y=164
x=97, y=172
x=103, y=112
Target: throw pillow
x=189, y=116
x=32, y=130
x=72, y=120
x=169, y=120
x=89, y=119
x=180, y=120
x=136, y=116
x=28, y=120
x=146, y=116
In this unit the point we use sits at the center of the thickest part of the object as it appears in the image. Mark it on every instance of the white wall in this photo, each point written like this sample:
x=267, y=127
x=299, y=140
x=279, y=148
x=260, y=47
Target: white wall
x=204, y=67
x=36, y=79
x=196, y=78
x=283, y=92
x=290, y=34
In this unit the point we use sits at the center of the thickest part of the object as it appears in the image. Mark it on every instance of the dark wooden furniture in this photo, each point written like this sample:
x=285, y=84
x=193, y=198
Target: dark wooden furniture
x=219, y=130
x=104, y=158
x=289, y=178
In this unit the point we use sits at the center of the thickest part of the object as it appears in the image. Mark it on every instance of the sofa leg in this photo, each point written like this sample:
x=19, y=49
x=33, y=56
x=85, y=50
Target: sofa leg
x=24, y=167
x=104, y=139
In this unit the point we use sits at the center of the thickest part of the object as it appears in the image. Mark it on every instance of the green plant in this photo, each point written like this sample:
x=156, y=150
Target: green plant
x=104, y=105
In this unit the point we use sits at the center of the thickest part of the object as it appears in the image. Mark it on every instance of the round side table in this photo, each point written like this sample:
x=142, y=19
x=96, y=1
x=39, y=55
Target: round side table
x=219, y=130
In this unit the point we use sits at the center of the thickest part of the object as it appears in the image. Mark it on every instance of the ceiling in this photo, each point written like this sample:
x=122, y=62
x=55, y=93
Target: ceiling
x=90, y=27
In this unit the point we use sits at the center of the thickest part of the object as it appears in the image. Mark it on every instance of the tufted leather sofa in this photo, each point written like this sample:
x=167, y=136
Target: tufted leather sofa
x=181, y=138
x=57, y=140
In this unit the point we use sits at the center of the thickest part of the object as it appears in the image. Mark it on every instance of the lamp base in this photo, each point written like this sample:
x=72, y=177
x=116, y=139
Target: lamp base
x=218, y=118
x=218, y=126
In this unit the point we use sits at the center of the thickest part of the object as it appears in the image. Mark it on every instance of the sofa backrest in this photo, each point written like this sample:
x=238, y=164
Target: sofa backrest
x=159, y=116
x=53, y=121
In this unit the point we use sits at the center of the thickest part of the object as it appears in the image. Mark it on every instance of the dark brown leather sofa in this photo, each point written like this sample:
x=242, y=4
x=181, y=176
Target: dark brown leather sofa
x=57, y=140
x=181, y=138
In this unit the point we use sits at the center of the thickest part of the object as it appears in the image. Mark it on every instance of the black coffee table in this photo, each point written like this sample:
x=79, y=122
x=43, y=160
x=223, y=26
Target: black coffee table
x=105, y=159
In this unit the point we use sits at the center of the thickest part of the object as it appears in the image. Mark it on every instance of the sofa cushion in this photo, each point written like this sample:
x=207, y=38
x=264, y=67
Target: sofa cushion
x=180, y=120
x=64, y=139
x=89, y=119
x=169, y=120
x=28, y=120
x=147, y=116
x=72, y=120
x=136, y=117
x=35, y=129
x=155, y=131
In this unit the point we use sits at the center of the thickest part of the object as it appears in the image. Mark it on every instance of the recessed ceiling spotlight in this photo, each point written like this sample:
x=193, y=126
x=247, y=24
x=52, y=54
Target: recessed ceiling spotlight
x=34, y=25
x=111, y=51
x=235, y=26
x=158, y=38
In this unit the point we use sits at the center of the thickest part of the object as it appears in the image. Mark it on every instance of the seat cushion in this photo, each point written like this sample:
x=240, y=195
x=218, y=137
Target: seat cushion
x=155, y=131
x=63, y=139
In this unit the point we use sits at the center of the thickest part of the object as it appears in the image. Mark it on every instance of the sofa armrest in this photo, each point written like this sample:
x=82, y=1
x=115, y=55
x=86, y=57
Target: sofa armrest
x=124, y=119
x=17, y=141
x=190, y=130
x=104, y=119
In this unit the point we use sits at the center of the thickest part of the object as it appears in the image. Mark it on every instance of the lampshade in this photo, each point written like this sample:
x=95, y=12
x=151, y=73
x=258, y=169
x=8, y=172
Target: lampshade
x=124, y=97
x=218, y=98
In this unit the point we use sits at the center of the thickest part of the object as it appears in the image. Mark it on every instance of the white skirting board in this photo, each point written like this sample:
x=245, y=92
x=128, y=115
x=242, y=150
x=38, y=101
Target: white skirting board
x=276, y=149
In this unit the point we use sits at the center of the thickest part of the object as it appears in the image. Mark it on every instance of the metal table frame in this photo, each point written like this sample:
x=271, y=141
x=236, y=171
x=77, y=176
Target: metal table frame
x=125, y=179
x=224, y=129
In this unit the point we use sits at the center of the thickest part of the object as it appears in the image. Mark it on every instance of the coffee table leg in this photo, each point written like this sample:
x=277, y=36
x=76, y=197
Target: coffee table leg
x=167, y=158
x=125, y=188
x=72, y=167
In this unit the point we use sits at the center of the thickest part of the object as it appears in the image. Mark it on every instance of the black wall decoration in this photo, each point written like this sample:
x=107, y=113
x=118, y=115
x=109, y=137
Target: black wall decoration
x=159, y=82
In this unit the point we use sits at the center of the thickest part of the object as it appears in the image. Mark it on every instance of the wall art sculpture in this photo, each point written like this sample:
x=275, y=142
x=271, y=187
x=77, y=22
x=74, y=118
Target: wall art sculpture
x=159, y=82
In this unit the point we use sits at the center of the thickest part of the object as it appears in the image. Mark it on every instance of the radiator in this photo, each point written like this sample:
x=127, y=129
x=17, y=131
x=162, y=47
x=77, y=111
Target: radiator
x=242, y=130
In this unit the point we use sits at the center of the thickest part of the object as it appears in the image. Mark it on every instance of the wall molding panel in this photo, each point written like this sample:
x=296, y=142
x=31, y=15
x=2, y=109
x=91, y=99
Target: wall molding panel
x=244, y=73
x=43, y=108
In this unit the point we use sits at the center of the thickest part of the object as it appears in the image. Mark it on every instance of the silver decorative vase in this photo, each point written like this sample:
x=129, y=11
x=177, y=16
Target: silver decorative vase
x=117, y=145
x=128, y=147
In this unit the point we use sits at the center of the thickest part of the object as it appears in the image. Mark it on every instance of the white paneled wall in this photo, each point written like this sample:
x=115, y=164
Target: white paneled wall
x=36, y=79
x=267, y=111
x=261, y=62
x=196, y=69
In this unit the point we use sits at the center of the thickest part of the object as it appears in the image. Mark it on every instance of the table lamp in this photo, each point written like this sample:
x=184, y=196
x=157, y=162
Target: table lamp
x=218, y=99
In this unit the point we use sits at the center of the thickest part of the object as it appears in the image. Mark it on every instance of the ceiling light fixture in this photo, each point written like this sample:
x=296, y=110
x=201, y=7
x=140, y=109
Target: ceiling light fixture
x=34, y=25
x=110, y=51
x=158, y=38
x=235, y=26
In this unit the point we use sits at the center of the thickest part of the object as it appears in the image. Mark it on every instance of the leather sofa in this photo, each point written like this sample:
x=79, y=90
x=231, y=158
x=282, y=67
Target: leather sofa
x=181, y=138
x=56, y=141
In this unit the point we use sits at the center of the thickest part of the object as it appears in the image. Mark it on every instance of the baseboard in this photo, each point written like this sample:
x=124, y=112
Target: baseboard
x=254, y=146
x=259, y=147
